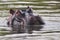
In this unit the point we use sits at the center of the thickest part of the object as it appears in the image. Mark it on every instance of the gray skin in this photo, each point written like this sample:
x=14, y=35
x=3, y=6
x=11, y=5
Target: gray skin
x=22, y=23
x=18, y=23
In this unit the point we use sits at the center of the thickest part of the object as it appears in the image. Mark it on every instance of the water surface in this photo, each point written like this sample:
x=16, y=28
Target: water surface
x=48, y=10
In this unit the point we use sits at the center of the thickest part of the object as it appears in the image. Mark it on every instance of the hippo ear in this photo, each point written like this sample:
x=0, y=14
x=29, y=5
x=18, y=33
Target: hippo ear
x=11, y=11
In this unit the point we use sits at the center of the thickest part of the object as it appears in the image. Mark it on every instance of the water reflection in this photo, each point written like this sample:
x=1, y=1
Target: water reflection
x=52, y=23
x=50, y=16
x=51, y=20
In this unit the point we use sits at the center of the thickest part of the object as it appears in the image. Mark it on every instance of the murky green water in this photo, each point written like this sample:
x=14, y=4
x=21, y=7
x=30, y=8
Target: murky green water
x=48, y=10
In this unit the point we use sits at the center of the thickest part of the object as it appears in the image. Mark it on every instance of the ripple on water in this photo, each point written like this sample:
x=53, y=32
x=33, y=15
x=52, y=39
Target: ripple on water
x=51, y=20
x=48, y=36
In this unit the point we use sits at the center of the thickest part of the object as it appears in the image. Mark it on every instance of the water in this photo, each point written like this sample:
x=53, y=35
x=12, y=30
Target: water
x=48, y=10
